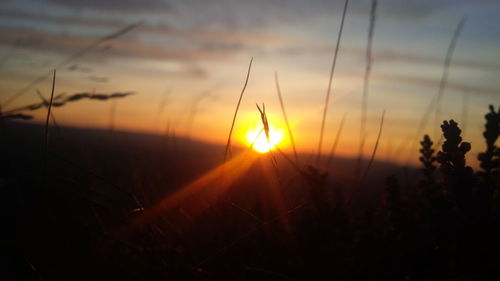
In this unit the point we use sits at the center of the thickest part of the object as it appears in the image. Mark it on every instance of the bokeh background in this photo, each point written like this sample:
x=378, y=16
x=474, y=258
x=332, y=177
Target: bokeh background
x=186, y=63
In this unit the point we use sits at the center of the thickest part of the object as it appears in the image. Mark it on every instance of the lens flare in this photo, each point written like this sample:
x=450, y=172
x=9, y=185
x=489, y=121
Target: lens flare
x=259, y=140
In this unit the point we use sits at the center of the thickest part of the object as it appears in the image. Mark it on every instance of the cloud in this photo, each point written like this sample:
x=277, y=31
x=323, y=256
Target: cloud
x=242, y=12
x=129, y=5
x=204, y=30
x=205, y=37
x=381, y=56
x=123, y=48
x=434, y=83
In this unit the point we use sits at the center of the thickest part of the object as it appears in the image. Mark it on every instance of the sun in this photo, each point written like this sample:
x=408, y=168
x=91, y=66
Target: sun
x=259, y=140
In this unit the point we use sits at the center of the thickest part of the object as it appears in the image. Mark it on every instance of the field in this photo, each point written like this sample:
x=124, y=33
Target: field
x=232, y=181
x=102, y=210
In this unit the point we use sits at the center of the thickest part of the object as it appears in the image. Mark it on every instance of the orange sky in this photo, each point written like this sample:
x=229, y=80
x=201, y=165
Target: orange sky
x=196, y=64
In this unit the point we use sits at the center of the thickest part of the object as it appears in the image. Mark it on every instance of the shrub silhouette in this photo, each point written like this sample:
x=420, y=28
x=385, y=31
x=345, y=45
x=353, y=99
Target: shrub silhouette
x=443, y=224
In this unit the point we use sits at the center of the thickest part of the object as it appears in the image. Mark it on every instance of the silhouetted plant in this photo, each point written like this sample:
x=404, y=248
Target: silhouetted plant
x=458, y=176
x=427, y=160
x=452, y=156
x=490, y=159
x=441, y=233
x=62, y=99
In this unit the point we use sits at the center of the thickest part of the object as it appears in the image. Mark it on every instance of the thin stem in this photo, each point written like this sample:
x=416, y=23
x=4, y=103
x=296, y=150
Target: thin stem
x=372, y=158
x=327, y=97
x=335, y=143
x=228, y=145
x=444, y=76
x=49, y=108
x=285, y=117
x=46, y=104
x=366, y=84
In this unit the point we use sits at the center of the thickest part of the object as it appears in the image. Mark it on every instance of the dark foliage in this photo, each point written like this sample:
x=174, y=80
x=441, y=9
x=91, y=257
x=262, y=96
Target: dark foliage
x=427, y=160
x=444, y=225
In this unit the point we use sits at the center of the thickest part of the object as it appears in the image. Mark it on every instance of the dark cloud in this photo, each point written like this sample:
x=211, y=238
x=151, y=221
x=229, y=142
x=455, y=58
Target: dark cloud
x=195, y=44
x=258, y=12
x=130, y=5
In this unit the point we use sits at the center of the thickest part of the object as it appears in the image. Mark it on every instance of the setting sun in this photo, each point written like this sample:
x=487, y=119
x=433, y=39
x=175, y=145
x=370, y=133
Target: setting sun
x=259, y=140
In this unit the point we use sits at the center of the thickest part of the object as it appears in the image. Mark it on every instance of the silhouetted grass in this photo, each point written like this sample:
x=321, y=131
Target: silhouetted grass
x=46, y=134
x=375, y=147
x=228, y=145
x=289, y=130
x=446, y=67
x=331, y=156
x=437, y=226
x=443, y=224
x=366, y=84
x=328, y=90
x=54, y=121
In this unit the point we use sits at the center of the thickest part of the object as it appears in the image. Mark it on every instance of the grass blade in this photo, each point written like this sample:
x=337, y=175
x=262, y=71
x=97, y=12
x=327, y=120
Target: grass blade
x=328, y=91
x=49, y=107
x=285, y=117
x=46, y=103
x=228, y=145
x=444, y=76
x=366, y=84
x=372, y=158
x=335, y=143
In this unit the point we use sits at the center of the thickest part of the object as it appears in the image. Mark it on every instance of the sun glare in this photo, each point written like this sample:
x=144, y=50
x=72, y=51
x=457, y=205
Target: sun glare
x=259, y=140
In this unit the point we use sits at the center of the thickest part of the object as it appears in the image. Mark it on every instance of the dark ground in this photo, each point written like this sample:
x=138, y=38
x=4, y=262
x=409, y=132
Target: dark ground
x=60, y=218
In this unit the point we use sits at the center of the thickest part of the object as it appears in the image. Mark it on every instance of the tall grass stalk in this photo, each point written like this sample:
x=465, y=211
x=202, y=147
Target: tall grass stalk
x=359, y=181
x=328, y=90
x=331, y=156
x=265, y=123
x=372, y=158
x=437, y=100
x=366, y=82
x=46, y=134
x=444, y=76
x=46, y=103
x=228, y=145
x=465, y=113
x=285, y=116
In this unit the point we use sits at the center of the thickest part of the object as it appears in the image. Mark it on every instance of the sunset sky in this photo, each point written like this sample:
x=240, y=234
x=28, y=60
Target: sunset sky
x=192, y=56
